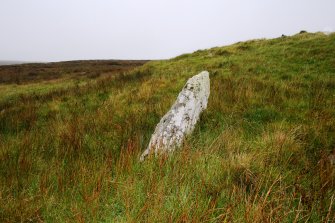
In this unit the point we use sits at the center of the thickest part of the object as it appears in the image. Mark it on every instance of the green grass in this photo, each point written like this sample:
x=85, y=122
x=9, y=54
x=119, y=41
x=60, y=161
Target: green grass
x=260, y=152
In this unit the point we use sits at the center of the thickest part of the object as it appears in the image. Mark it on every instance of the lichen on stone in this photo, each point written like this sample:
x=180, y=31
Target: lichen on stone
x=181, y=119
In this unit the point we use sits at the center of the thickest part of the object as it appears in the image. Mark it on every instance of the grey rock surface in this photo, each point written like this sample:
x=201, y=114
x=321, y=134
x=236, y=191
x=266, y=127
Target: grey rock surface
x=182, y=117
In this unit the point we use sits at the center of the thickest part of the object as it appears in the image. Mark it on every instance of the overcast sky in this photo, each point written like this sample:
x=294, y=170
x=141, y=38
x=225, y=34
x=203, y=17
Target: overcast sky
x=55, y=30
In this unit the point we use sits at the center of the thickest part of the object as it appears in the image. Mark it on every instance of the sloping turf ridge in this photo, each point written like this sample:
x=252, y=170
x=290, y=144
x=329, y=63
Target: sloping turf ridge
x=259, y=153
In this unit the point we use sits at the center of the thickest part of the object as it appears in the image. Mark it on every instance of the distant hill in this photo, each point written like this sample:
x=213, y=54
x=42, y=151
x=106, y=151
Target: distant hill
x=23, y=72
x=11, y=62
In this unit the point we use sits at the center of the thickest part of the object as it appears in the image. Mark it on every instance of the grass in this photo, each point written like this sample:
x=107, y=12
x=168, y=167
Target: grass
x=69, y=150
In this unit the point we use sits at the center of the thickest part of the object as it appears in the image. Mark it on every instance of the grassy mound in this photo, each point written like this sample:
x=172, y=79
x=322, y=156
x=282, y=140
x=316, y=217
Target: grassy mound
x=69, y=147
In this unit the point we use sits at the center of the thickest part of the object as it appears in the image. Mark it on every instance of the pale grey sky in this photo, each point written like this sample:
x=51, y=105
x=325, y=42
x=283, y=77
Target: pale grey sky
x=54, y=30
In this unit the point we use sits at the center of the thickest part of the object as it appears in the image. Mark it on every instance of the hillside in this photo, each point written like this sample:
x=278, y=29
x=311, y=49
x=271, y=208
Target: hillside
x=261, y=152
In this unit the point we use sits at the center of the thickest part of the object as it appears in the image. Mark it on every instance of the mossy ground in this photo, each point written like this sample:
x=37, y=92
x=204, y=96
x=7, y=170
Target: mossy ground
x=69, y=149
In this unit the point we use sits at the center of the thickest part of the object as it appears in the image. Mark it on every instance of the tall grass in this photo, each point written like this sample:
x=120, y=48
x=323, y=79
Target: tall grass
x=260, y=153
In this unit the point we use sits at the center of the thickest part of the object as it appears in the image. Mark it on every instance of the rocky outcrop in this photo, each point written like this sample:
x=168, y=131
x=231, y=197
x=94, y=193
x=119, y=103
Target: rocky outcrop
x=182, y=117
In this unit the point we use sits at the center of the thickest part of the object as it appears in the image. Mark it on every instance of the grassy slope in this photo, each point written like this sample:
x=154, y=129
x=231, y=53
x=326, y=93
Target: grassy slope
x=259, y=153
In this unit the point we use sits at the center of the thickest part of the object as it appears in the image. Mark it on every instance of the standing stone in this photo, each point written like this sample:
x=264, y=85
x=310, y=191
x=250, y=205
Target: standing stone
x=182, y=117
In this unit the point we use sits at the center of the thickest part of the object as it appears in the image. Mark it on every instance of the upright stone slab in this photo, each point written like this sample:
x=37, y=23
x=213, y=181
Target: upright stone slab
x=182, y=117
